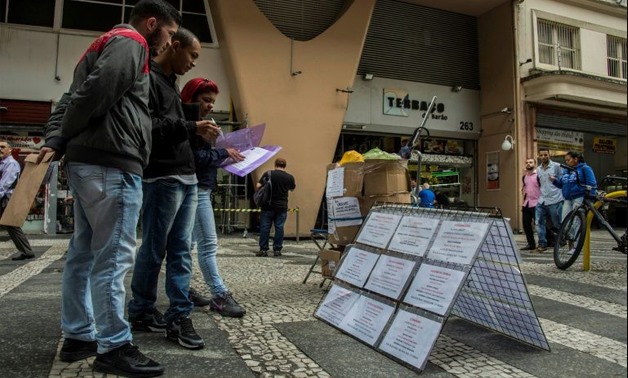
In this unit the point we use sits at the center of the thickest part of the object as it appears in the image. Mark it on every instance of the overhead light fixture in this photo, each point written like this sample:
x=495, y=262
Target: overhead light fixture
x=367, y=76
x=508, y=143
x=354, y=127
x=456, y=88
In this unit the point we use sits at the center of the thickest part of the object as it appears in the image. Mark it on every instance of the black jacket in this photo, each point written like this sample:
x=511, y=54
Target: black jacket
x=207, y=159
x=171, y=152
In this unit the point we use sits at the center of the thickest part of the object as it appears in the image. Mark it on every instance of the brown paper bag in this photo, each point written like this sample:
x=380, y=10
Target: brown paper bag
x=24, y=193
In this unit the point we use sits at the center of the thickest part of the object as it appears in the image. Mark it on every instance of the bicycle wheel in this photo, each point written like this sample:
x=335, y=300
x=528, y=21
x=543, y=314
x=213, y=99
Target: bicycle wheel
x=570, y=239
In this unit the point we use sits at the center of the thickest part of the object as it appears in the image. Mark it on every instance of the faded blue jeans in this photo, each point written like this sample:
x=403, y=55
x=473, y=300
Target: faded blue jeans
x=167, y=219
x=207, y=239
x=106, y=208
x=266, y=220
x=542, y=211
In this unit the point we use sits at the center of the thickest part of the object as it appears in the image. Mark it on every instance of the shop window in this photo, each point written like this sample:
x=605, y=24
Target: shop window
x=616, y=56
x=558, y=44
x=112, y=12
x=28, y=12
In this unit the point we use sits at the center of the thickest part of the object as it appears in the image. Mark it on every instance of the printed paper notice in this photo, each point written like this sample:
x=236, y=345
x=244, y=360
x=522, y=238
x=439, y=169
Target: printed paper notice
x=335, y=183
x=458, y=242
x=253, y=158
x=410, y=338
x=378, y=229
x=390, y=275
x=356, y=266
x=433, y=288
x=367, y=319
x=346, y=212
x=413, y=235
x=336, y=304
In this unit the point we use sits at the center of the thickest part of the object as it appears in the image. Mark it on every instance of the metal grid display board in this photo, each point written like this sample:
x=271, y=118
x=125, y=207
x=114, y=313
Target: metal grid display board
x=410, y=268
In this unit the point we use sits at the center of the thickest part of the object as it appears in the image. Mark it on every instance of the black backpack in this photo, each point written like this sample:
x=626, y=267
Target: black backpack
x=264, y=195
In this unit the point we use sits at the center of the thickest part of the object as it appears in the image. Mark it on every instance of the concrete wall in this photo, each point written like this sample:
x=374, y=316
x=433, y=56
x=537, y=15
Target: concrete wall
x=28, y=57
x=495, y=29
x=303, y=113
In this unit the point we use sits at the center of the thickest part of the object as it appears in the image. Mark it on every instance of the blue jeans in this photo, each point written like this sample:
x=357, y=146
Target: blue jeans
x=167, y=220
x=106, y=208
x=542, y=211
x=570, y=205
x=267, y=218
x=207, y=239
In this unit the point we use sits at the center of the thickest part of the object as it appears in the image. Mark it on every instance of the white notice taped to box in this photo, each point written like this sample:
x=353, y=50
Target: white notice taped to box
x=345, y=211
x=335, y=183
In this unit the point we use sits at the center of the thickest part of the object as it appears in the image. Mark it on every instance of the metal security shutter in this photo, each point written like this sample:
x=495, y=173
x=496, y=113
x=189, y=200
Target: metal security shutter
x=301, y=20
x=420, y=44
x=24, y=112
x=553, y=121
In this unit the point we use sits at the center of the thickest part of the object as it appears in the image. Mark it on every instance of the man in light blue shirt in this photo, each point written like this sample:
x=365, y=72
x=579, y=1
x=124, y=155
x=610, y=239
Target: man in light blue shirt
x=9, y=173
x=551, y=200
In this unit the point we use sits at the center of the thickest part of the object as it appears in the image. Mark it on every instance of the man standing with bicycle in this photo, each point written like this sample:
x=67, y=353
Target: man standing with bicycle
x=550, y=202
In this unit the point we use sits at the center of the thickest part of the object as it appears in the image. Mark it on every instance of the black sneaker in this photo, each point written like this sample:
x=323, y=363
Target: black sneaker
x=277, y=253
x=148, y=322
x=262, y=253
x=127, y=361
x=74, y=350
x=182, y=331
x=225, y=305
x=198, y=299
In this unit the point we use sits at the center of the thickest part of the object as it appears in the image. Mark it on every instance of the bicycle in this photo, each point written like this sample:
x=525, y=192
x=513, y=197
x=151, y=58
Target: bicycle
x=571, y=235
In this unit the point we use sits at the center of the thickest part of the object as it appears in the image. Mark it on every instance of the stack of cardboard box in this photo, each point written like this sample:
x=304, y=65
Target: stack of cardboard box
x=363, y=184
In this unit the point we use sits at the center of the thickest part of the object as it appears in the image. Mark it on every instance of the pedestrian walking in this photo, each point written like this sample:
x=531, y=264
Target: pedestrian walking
x=550, y=202
x=277, y=213
x=531, y=192
x=9, y=174
x=102, y=124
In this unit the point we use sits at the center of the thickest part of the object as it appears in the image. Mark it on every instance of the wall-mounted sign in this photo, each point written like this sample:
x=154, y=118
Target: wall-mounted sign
x=398, y=102
x=564, y=140
x=399, y=107
x=604, y=145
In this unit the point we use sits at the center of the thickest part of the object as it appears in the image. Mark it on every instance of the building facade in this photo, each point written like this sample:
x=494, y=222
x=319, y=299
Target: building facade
x=335, y=75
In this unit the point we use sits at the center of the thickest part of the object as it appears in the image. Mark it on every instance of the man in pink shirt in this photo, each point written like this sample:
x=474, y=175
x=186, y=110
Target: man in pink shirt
x=531, y=192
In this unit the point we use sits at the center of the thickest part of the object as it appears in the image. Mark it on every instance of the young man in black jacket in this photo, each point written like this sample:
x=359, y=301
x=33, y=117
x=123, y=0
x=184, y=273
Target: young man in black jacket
x=170, y=198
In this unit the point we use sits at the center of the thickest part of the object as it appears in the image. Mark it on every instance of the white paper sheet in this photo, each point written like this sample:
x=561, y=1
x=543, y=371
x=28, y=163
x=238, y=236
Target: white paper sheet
x=390, y=275
x=378, y=229
x=410, y=338
x=413, y=235
x=433, y=288
x=366, y=319
x=356, y=266
x=457, y=242
x=336, y=304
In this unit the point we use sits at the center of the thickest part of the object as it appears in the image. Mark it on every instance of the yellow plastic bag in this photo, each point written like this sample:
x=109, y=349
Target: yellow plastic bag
x=351, y=157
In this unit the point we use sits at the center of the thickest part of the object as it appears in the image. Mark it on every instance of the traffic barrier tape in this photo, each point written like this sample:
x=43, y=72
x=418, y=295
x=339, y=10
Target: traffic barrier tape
x=251, y=210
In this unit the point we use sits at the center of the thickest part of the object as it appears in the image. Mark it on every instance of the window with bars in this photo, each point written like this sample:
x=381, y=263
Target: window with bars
x=102, y=15
x=616, y=56
x=559, y=44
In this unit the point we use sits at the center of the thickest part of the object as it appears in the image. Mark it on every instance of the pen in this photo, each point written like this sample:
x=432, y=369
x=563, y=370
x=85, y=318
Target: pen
x=219, y=129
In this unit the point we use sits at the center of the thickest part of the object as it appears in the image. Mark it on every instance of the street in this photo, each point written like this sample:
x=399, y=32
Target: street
x=583, y=315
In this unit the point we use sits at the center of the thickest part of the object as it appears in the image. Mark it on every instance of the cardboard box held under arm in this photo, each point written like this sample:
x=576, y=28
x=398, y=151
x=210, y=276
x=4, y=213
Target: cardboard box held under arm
x=27, y=187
